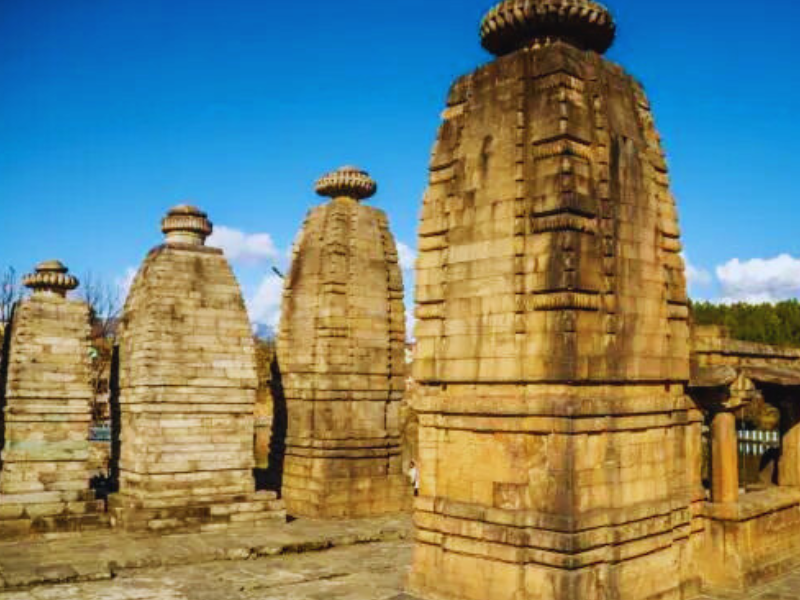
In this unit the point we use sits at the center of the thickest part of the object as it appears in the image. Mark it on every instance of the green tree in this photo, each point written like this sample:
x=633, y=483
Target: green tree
x=777, y=324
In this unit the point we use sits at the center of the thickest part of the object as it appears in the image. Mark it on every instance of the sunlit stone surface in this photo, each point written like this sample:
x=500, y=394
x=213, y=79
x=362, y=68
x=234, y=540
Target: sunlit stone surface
x=44, y=482
x=187, y=391
x=557, y=446
x=341, y=354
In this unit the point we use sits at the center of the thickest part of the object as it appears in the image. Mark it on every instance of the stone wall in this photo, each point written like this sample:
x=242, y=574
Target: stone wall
x=752, y=541
x=712, y=346
x=755, y=371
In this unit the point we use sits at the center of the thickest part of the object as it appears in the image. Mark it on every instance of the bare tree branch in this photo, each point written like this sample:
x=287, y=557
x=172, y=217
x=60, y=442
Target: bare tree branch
x=10, y=292
x=105, y=302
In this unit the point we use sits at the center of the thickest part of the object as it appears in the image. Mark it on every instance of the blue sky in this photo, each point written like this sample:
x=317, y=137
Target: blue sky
x=113, y=110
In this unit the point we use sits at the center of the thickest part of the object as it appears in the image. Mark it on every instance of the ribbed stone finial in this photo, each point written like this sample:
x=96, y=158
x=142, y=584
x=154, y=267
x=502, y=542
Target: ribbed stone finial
x=50, y=277
x=515, y=24
x=347, y=182
x=185, y=224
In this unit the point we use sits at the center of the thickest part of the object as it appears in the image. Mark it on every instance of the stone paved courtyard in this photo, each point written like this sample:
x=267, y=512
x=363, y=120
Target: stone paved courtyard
x=373, y=571
x=107, y=555
x=367, y=572
x=364, y=559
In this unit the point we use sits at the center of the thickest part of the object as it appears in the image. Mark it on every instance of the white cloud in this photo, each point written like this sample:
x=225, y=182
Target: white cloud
x=407, y=256
x=265, y=306
x=759, y=280
x=244, y=248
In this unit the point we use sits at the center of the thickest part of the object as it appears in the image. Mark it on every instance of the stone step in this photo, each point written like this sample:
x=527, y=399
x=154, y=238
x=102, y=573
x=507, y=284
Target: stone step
x=193, y=515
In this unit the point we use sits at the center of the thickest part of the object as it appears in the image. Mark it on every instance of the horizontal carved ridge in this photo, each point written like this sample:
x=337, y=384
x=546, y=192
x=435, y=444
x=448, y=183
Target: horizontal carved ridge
x=563, y=222
x=564, y=301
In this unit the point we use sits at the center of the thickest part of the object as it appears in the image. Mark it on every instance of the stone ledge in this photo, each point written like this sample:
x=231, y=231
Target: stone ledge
x=678, y=511
x=753, y=505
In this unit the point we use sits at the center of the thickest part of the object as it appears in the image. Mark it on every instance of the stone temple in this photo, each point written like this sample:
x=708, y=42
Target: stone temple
x=341, y=351
x=187, y=391
x=577, y=440
x=556, y=439
x=44, y=482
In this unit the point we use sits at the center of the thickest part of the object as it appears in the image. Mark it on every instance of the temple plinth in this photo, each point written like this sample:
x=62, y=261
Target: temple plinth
x=187, y=391
x=44, y=481
x=556, y=449
x=341, y=356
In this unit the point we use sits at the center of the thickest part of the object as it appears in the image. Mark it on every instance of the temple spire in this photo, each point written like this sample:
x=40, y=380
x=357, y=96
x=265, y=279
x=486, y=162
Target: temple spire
x=515, y=24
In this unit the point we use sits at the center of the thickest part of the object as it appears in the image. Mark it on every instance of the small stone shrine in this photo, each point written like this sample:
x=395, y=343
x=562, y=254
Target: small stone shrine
x=44, y=482
x=557, y=445
x=341, y=355
x=187, y=391
x=750, y=394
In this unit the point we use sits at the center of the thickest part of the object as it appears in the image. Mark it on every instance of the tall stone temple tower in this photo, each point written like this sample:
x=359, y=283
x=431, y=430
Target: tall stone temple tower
x=552, y=337
x=44, y=482
x=187, y=380
x=341, y=354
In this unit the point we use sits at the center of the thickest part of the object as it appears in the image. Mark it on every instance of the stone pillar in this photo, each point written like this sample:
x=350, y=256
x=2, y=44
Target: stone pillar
x=552, y=337
x=44, y=483
x=789, y=462
x=341, y=355
x=187, y=391
x=724, y=458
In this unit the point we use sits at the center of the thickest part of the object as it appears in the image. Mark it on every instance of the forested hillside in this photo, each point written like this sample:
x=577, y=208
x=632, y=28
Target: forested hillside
x=766, y=323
